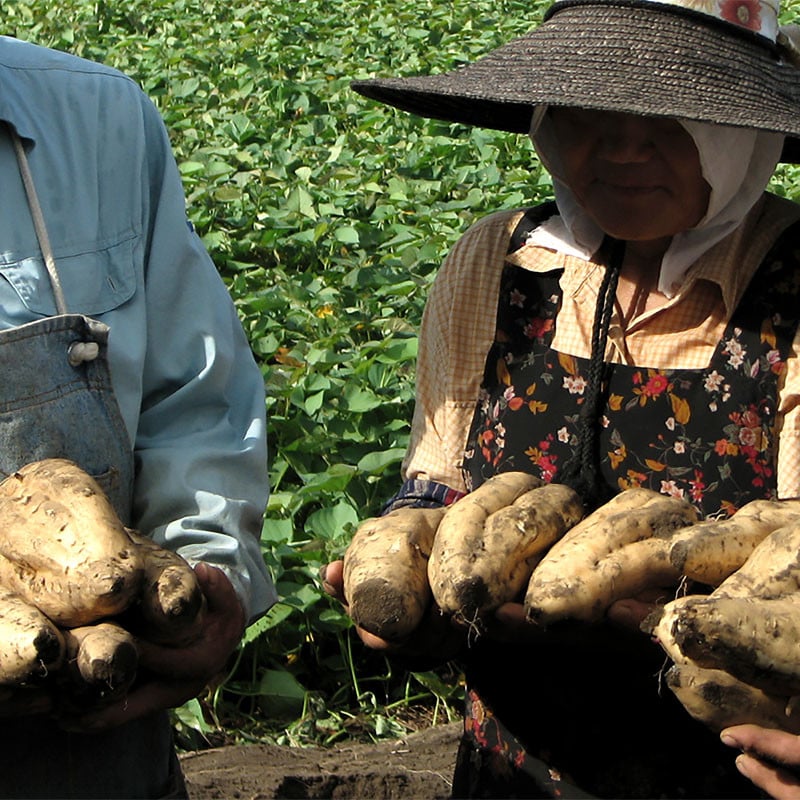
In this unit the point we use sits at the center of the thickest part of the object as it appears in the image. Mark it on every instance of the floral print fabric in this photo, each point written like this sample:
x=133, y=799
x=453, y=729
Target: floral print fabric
x=758, y=16
x=705, y=435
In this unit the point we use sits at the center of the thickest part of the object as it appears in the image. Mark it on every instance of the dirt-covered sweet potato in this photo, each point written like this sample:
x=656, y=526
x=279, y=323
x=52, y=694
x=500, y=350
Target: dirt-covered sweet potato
x=719, y=700
x=606, y=557
x=476, y=568
x=712, y=550
x=102, y=660
x=170, y=606
x=62, y=545
x=31, y=646
x=771, y=570
x=756, y=640
x=385, y=571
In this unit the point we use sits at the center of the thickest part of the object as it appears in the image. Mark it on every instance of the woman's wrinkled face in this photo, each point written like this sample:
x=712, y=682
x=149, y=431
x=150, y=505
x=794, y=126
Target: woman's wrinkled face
x=639, y=178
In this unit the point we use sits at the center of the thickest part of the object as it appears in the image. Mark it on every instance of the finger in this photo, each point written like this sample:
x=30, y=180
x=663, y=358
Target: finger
x=510, y=624
x=218, y=590
x=374, y=642
x=772, y=744
x=138, y=703
x=629, y=613
x=777, y=782
x=25, y=703
x=509, y=621
x=332, y=578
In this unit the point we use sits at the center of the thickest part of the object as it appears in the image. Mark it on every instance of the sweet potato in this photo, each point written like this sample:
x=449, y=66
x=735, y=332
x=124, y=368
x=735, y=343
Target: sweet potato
x=660, y=624
x=473, y=571
x=710, y=551
x=62, y=546
x=754, y=639
x=103, y=659
x=385, y=571
x=772, y=569
x=171, y=604
x=460, y=535
x=31, y=646
x=718, y=700
x=590, y=566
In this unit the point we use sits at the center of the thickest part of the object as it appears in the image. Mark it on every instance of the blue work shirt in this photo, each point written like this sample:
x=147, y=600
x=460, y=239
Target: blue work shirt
x=190, y=392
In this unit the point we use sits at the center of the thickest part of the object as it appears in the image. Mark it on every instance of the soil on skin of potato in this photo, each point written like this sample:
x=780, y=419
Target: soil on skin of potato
x=420, y=765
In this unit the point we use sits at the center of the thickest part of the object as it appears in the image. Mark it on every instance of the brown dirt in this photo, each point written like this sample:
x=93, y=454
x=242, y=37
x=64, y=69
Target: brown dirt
x=419, y=765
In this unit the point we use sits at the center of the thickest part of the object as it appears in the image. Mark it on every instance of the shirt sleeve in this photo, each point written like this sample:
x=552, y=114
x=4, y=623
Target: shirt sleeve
x=200, y=444
x=458, y=328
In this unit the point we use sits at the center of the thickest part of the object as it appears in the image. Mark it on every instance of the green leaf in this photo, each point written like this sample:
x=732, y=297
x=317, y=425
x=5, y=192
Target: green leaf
x=330, y=521
x=346, y=235
x=281, y=694
x=275, y=616
x=379, y=461
x=361, y=400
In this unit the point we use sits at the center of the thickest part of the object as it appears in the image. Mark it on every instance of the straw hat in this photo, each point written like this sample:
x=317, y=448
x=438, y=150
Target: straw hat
x=718, y=61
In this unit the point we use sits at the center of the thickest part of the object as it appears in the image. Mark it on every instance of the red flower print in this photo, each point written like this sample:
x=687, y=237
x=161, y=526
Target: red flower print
x=750, y=418
x=655, y=385
x=513, y=402
x=546, y=463
x=724, y=447
x=749, y=437
x=697, y=487
x=775, y=362
x=537, y=328
x=745, y=13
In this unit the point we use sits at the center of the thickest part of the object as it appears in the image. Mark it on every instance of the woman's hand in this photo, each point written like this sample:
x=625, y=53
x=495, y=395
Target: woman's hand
x=770, y=758
x=509, y=623
x=170, y=676
x=632, y=612
x=434, y=641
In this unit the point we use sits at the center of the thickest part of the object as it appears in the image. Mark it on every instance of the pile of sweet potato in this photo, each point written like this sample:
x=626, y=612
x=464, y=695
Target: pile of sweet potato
x=735, y=644
x=77, y=588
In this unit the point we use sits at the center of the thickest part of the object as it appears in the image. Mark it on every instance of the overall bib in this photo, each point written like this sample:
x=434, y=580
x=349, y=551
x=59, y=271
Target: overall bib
x=56, y=400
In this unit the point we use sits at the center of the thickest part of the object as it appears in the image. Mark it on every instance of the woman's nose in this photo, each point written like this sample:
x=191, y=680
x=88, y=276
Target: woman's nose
x=626, y=138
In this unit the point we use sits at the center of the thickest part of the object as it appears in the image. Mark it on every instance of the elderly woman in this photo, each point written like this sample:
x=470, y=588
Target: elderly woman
x=640, y=330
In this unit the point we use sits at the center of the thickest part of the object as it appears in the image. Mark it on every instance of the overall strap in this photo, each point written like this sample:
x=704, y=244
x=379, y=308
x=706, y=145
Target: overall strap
x=38, y=222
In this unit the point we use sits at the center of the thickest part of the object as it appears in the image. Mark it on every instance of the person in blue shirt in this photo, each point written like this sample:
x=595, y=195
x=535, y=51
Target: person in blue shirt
x=121, y=350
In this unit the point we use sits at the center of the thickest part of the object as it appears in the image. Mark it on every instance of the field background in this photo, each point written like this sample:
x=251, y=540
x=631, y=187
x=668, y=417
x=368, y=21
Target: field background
x=327, y=216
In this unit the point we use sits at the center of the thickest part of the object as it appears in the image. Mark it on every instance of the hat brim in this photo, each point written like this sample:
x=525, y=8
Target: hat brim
x=650, y=60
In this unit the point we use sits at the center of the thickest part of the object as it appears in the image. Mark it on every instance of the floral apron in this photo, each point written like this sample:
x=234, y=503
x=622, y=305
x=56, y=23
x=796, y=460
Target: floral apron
x=56, y=400
x=587, y=710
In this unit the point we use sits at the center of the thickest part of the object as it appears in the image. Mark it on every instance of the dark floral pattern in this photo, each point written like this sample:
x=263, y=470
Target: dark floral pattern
x=707, y=435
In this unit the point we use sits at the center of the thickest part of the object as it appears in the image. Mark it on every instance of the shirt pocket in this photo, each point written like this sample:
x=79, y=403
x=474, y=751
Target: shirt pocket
x=94, y=281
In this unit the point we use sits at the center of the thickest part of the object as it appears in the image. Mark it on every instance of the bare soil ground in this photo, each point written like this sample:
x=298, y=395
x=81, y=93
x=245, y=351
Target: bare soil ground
x=419, y=765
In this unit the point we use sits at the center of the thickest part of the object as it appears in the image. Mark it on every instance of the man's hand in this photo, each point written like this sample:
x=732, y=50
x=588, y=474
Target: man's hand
x=170, y=676
x=770, y=758
x=24, y=702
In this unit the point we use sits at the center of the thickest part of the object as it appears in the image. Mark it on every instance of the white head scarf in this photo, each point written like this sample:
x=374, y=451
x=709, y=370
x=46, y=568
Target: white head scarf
x=737, y=163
